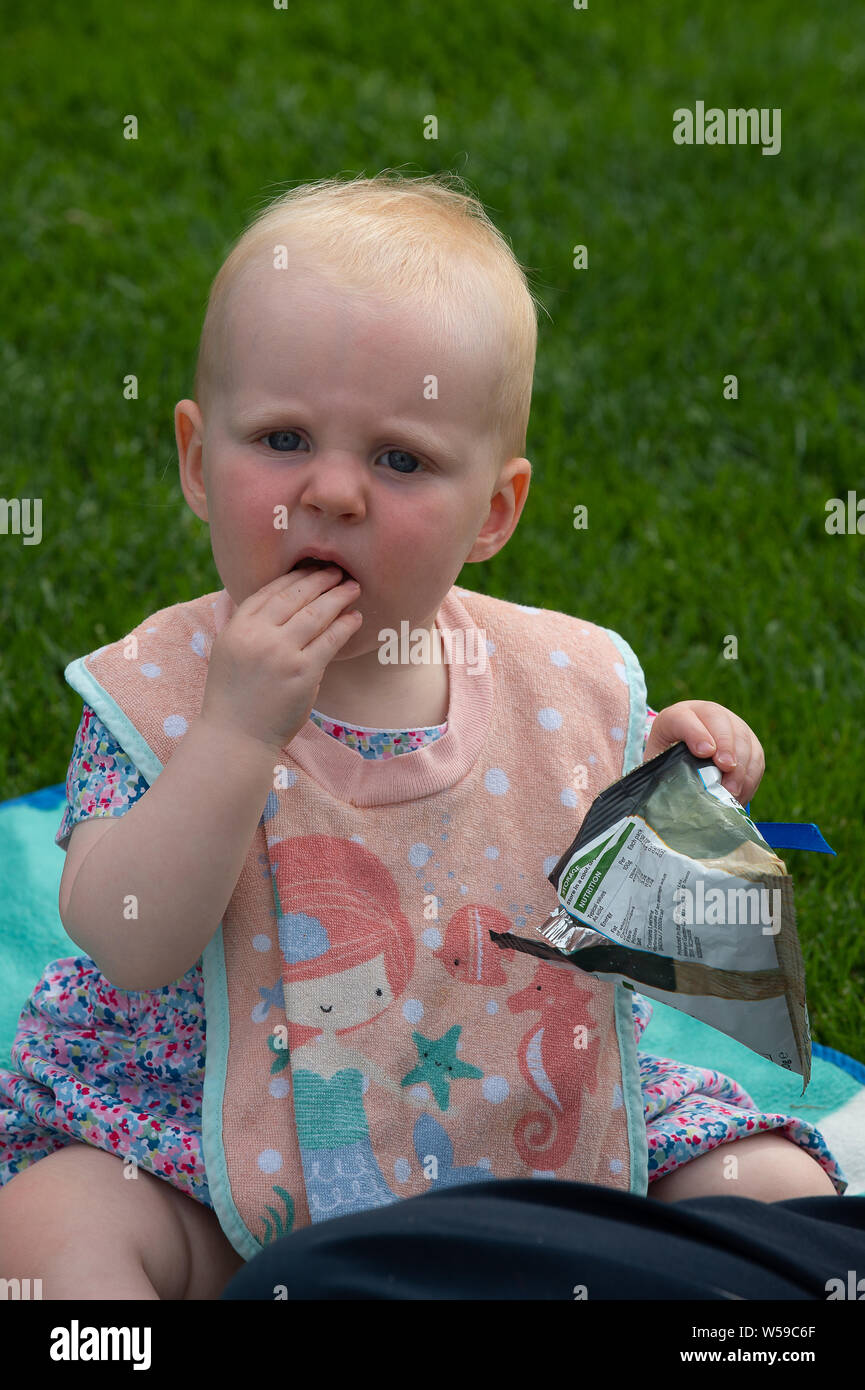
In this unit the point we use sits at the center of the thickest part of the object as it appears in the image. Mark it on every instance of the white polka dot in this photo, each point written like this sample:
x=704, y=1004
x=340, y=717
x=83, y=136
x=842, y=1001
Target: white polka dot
x=621, y=672
x=617, y=733
x=491, y=852
x=617, y=1096
x=549, y=718
x=364, y=1085
x=418, y=855
x=496, y=782
x=550, y=863
x=151, y=629
x=615, y=1165
x=279, y=1087
x=422, y=1092
x=174, y=725
x=270, y=1160
x=584, y=632
x=492, y=1006
x=495, y=1089
x=147, y=668
x=526, y=609
x=560, y=659
x=262, y=942
x=412, y=1010
x=491, y=647
x=358, y=839
x=401, y=1169
x=569, y=797
x=198, y=643
x=485, y=1163
x=432, y=937
x=592, y=758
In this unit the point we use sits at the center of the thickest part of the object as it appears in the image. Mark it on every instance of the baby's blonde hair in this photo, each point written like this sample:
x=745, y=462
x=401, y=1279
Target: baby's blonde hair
x=425, y=237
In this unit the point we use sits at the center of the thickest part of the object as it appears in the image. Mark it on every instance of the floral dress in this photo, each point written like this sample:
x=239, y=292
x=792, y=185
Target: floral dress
x=124, y=1071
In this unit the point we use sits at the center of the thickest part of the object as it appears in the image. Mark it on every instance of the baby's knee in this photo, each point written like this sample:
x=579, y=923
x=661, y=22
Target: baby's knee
x=74, y=1221
x=765, y=1167
x=776, y=1169
x=31, y=1212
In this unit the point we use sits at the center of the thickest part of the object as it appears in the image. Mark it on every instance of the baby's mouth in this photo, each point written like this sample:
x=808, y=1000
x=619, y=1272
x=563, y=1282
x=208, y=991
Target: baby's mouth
x=311, y=562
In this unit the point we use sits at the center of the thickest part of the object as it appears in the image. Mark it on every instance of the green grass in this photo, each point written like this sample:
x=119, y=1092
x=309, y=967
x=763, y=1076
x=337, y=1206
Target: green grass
x=706, y=516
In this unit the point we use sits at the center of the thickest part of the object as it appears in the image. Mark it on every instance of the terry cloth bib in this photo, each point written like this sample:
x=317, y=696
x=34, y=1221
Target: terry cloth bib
x=365, y=1039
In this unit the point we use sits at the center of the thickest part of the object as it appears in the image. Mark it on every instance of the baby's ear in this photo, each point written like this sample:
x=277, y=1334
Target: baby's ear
x=188, y=425
x=506, y=505
x=189, y=434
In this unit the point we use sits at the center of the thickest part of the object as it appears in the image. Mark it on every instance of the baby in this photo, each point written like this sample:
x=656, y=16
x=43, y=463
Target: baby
x=362, y=397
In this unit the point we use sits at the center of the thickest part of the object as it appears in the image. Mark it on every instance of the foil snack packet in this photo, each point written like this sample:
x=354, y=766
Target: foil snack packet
x=670, y=888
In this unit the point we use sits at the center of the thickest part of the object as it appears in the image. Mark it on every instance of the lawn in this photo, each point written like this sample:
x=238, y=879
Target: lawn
x=706, y=515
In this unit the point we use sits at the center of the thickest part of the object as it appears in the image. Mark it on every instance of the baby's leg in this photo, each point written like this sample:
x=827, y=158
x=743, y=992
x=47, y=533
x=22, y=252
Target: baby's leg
x=73, y=1220
x=769, y=1168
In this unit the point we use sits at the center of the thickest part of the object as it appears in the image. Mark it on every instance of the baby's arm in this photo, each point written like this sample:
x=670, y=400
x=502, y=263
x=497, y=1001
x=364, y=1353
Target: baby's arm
x=178, y=851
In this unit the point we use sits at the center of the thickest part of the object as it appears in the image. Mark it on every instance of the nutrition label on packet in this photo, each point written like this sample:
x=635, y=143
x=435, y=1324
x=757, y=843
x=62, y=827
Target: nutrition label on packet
x=634, y=889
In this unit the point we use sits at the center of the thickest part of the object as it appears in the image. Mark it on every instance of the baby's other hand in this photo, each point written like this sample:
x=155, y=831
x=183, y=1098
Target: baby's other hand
x=712, y=730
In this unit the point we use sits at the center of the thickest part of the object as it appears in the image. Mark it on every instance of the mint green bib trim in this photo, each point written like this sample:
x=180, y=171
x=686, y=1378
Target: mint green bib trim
x=213, y=969
x=112, y=716
x=638, y=709
x=632, y=1086
x=632, y=1091
x=213, y=1095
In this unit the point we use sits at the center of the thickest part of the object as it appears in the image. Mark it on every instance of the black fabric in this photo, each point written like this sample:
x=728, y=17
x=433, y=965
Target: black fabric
x=538, y=1238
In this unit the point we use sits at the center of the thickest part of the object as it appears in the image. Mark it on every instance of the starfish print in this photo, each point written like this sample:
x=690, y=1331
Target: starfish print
x=439, y=1064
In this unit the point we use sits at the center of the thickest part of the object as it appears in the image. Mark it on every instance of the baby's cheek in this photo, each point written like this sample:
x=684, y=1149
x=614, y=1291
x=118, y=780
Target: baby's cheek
x=250, y=511
x=414, y=547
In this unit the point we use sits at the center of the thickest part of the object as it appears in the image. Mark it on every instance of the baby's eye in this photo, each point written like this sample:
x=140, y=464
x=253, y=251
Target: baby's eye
x=281, y=435
x=279, y=440
x=401, y=454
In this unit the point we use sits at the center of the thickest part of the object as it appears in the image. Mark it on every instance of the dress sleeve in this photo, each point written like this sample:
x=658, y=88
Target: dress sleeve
x=101, y=780
x=651, y=715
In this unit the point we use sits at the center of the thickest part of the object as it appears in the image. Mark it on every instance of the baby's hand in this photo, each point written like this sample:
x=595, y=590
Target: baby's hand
x=710, y=729
x=266, y=665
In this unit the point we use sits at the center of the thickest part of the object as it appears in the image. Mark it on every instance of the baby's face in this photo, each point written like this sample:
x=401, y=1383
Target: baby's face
x=325, y=415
